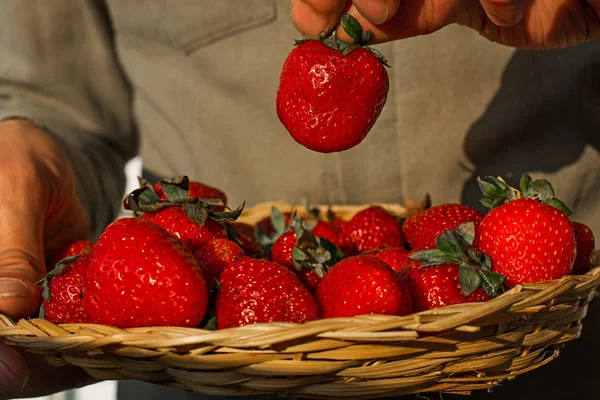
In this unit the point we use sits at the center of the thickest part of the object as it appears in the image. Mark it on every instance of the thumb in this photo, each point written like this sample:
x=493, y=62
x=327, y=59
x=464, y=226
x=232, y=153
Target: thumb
x=504, y=12
x=21, y=254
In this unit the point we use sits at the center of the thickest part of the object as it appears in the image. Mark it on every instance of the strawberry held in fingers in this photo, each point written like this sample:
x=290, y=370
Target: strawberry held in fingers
x=63, y=291
x=140, y=275
x=421, y=230
x=585, y=243
x=332, y=92
x=370, y=229
x=527, y=234
x=362, y=285
x=255, y=291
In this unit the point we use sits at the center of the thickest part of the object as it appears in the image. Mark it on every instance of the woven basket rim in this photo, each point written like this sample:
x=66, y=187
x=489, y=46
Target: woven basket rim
x=366, y=356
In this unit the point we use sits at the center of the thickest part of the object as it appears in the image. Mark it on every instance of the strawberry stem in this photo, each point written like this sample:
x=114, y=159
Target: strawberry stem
x=498, y=192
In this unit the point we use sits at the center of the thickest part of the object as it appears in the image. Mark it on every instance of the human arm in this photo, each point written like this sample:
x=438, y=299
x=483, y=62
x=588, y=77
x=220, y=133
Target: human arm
x=66, y=134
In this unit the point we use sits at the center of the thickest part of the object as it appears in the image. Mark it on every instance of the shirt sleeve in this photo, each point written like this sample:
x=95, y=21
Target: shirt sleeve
x=58, y=68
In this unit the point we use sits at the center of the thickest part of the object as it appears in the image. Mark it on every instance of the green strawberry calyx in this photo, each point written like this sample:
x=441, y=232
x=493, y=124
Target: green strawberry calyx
x=455, y=247
x=498, y=192
x=355, y=31
x=145, y=200
x=279, y=224
x=312, y=252
x=45, y=281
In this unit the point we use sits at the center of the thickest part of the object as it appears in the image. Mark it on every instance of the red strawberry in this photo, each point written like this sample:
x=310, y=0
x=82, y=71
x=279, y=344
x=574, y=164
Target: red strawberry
x=63, y=291
x=436, y=286
x=256, y=291
x=330, y=99
x=362, y=285
x=247, y=238
x=193, y=220
x=140, y=275
x=395, y=257
x=370, y=229
x=175, y=221
x=215, y=256
x=196, y=189
x=585, y=245
x=337, y=224
x=324, y=230
x=75, y=248
x=281, y=252
x=527, y=240
x=422, y=229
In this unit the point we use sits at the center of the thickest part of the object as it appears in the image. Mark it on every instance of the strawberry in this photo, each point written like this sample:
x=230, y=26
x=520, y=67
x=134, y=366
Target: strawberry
x=257, y=291
x=194, y=221
x=324, y=230
x=140, y=275
x=196, y=189
x=332, y=92
x=63, y=291
x=75, y=248
x=437, y=286
x=362, y=285
x=585, y=244
x=454, y=272
x=248, y=239
x=215, y=256
x=307, y=257
x=337, y=225
x=175, y=221
x=281, y=252
x=395, y=257
x=370, y=229
x=527, y=234
x=421, y=230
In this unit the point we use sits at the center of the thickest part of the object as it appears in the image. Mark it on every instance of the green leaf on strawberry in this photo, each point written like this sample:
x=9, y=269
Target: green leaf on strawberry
x=56, y=271
x=499, y=192
x=352, y=27
x=433, y=257
x=491, y=281
x=470, y=279
x=278, y=221
x=176, y=189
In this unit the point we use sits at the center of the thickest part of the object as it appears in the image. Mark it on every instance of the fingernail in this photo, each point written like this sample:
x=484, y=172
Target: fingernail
x=11, y=287
x=11, y=380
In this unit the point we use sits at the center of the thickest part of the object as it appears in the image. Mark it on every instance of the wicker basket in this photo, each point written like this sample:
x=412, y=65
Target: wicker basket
x=368, y=356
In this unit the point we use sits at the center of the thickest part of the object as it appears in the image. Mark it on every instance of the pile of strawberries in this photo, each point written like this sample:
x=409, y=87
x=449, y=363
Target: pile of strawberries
x=183, y=260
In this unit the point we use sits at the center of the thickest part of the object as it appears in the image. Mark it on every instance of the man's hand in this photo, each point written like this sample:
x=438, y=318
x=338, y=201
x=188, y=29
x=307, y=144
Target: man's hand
x=39, y=215
x=534, y=24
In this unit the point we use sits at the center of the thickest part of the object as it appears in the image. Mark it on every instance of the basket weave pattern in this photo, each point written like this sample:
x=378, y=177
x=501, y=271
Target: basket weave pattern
x=369, y=356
